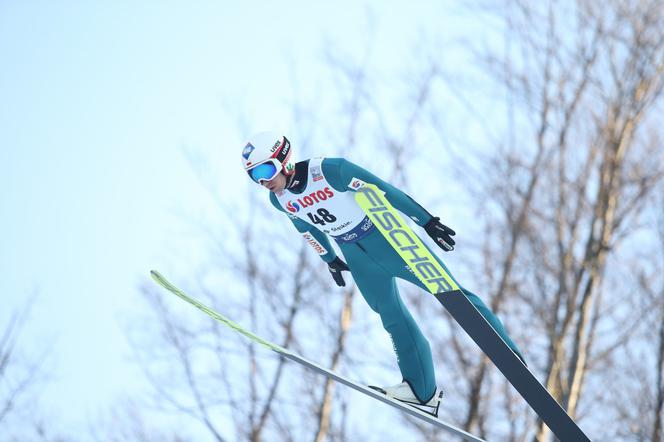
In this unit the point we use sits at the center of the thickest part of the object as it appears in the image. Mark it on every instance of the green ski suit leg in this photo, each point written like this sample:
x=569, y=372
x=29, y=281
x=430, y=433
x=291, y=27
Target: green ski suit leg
x=403, y=273
x=379, y=289
x=375, y=265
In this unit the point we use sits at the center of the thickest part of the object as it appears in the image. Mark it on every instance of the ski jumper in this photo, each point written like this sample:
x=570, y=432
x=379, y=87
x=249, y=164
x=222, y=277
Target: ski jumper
x=320, y=202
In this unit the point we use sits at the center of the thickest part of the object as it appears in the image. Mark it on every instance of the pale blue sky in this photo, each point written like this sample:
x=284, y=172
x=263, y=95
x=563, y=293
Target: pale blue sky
x=96, y=103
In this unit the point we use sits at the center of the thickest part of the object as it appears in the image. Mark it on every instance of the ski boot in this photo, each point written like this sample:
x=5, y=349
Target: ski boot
x=403, y=393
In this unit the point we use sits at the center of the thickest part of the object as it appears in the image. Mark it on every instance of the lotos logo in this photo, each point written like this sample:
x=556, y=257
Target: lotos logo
x=309, y=200
x=318, y=247
x=292, y=207
x=247, y=151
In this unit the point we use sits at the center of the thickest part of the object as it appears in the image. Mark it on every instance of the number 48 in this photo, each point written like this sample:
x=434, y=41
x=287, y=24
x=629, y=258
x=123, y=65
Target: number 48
x=322, y=217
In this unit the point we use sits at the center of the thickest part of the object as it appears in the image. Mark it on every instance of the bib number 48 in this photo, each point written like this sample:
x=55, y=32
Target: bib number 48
x=321, y=217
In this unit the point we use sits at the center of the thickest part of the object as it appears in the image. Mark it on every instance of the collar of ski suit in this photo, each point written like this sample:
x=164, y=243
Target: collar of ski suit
x=298, y=182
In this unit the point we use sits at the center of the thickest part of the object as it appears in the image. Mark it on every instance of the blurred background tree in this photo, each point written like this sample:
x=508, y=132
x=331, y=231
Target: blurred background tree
x=557, y=158
x=533, y=129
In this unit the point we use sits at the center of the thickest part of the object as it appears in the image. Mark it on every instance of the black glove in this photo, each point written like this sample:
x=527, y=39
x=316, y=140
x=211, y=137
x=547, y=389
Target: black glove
x=335, y=267
x=440, y=233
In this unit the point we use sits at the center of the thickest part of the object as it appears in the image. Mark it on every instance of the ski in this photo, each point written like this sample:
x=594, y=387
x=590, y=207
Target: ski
x=441, y=284
x=412, y=411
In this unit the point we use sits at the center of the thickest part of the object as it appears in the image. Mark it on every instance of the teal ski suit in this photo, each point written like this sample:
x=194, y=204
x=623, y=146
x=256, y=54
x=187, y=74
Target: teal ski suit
x=373, y=262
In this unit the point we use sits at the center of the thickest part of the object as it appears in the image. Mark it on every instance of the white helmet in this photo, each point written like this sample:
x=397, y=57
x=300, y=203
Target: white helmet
x=272, y=152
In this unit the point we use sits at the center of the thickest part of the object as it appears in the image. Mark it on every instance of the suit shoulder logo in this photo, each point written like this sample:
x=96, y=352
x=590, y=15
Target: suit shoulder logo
x=356, y=184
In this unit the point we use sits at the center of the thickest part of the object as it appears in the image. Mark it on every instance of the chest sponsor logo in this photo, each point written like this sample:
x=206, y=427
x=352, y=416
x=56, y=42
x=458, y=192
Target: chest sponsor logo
x=294, y=206
x=341, y=227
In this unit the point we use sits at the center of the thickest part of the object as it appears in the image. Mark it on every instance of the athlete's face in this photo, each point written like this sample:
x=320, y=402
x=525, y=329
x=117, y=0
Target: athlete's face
x=276, y=184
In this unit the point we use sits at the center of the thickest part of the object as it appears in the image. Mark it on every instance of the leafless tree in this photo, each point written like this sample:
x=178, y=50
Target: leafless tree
x=22, y=376
x=566, y=171
x=260, y=279
x=634, y=402
x=566, y=185
x=210, y=363
x=126, y=421
x=259, y=402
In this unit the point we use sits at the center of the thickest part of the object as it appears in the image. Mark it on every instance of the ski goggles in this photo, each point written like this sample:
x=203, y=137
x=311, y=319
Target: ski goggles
x=265, y=171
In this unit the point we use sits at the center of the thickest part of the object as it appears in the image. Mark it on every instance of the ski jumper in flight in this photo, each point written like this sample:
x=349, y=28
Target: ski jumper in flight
x=317, y=195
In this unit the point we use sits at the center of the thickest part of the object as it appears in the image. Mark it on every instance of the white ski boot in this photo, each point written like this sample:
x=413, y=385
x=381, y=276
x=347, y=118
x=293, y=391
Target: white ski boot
x=402, y=392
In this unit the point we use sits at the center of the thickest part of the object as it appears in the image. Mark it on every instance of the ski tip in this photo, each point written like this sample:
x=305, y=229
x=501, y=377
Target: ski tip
x=156, y=275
